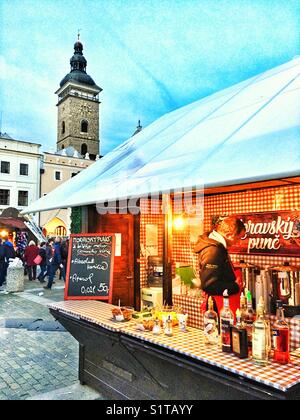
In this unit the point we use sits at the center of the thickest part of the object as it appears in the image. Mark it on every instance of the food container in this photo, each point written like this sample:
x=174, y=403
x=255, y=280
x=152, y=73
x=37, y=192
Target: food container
x=122, y=313
x=145, y=324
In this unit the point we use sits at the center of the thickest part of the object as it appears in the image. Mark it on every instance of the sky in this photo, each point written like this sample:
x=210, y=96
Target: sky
x=149, y=56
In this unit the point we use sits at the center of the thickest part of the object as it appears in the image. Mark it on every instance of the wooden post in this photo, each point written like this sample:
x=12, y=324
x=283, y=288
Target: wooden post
x=167, y=249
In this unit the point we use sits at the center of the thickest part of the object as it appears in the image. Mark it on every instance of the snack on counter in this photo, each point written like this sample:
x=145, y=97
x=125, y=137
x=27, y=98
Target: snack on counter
x=122, y=313
x=145, y=324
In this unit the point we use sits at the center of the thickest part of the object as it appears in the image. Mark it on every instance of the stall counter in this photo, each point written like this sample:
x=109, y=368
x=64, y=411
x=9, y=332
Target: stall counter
x=115, y=353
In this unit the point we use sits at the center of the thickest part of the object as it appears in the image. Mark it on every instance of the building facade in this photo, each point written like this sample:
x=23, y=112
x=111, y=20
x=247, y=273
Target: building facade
x=20, y=163
x=56, y=169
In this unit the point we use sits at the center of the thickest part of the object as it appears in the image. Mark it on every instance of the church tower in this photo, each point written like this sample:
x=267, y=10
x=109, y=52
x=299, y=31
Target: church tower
x=78, y=108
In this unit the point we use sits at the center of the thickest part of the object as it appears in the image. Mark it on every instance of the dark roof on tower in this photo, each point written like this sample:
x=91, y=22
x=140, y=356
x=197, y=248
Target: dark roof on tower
x=78, y=68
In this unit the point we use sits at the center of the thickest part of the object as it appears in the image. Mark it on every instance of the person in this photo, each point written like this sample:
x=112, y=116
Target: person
x=216, y=269
x=64, y=255
x=56, y=262
x=9, y=254
x=43, y=263
x=3, y=257
x=31, y=252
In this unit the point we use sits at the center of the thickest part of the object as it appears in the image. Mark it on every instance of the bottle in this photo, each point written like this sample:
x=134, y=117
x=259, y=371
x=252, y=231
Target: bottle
x=261, y=336
x=156, y=327
x=239, y=337
x=226, y=321
x=169, y=327
x=249, y=318
x=211, y=333
x=243, y=307
x=281, y=337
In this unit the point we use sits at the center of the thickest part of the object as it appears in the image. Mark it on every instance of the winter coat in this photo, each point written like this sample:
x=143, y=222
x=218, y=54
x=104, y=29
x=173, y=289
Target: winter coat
x=49, y=254
x=31, y=252
x=216, y=269
x=10, y=251
x=42, y=253
x=3, y=254
x=57, y=254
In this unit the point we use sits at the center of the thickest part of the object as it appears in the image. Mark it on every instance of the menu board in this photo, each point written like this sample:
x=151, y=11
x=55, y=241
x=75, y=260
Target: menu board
x=90, y=267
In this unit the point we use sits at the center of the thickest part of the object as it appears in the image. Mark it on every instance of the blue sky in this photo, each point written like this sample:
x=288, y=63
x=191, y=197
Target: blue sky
x=149, y=56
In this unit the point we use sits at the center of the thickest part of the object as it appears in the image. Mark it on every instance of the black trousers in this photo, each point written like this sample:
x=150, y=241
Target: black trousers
x=31, y=269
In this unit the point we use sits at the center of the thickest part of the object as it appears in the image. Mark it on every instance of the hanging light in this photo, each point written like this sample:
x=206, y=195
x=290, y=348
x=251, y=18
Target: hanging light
x=4, y=233
x=179, y=222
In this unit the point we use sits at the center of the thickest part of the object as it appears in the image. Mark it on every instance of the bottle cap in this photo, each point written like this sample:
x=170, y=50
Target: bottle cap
x=225, y=293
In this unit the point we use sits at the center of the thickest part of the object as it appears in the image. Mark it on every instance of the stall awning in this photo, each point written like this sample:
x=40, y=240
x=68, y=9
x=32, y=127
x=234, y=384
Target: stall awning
x=249, y=132
x=11, y=222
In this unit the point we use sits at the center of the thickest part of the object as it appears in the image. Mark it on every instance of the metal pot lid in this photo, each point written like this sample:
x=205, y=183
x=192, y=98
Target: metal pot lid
x=244, y=264
x=285, y=267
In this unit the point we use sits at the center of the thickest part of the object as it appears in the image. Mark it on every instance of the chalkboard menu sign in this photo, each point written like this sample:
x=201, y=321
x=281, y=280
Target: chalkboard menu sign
x=90, y=267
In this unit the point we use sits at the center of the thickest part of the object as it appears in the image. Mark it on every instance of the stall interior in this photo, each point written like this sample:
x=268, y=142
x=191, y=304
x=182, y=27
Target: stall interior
x=272, y=276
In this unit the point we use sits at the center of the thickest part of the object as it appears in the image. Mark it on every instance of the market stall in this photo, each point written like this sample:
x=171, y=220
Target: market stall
x=128, y=364
x=235, y=152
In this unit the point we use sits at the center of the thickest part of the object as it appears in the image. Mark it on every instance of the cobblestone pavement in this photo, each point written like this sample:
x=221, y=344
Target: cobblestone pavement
x=35, y=363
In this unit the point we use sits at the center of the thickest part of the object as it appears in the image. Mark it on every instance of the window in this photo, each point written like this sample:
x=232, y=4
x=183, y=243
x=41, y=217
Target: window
x=4, y=197
x=5, y=167
x=60, y=231
x=84, y=149
x=23, y=198
x=84, y=126
x=23, y=169
x=57, y=176
x=63, y=128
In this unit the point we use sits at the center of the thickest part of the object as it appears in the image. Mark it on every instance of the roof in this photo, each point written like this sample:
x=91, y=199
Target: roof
x=12, y=222
x=69, y=151
x=246, y=133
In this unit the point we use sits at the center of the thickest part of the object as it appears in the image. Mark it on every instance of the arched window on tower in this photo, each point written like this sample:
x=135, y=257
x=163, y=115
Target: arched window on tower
x=84, y=126
x=63, y=127
x=84, y=149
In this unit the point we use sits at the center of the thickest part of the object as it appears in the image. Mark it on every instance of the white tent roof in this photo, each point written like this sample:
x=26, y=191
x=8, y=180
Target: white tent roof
x=248, y=132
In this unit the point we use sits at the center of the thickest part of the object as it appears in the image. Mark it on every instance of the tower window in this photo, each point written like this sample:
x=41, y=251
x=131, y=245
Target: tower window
x=63, y=127
x=57, y=176
x=84, y=149
x=84, y=126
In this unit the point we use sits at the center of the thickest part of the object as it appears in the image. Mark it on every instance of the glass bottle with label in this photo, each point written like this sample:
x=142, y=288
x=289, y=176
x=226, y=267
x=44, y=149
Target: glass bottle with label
x=211, y=324
x=243, y=307
x=261, y=336
x=239, y=337
x=249, y=318
x=226, y=321
x=281, y=337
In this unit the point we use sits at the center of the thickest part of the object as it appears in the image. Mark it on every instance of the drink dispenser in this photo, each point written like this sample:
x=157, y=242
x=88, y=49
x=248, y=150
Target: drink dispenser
x=248, y=274
x=155, y=271
x=286, y=287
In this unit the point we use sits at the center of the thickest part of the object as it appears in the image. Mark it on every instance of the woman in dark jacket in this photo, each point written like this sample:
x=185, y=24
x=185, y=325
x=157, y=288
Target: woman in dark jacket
x=43, y=263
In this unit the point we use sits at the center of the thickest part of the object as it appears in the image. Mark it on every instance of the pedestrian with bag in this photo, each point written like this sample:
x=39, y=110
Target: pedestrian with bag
x=41, y=260
x=30, y=254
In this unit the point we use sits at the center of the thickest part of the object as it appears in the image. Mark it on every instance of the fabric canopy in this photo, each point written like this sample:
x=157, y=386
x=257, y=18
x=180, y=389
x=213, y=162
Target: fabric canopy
x=246, y=133
x=12, y=223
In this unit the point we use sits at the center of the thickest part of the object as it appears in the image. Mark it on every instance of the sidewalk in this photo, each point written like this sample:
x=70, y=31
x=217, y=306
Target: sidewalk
x=37, y=365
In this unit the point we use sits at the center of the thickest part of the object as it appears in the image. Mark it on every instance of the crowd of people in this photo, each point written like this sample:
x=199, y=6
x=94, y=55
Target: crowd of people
x=50, y=257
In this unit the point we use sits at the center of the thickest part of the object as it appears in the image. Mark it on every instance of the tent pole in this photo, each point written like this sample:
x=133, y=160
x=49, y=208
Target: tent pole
x=167, y=249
